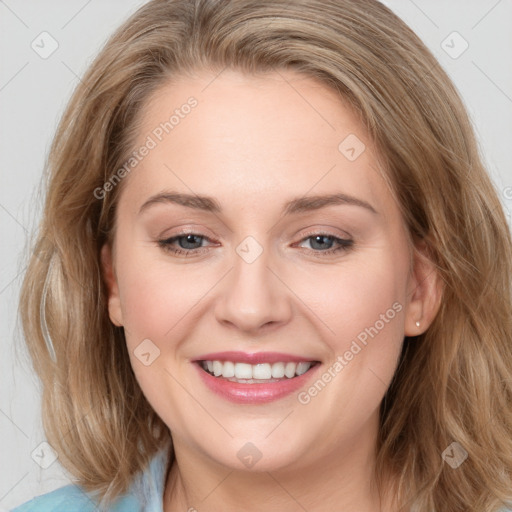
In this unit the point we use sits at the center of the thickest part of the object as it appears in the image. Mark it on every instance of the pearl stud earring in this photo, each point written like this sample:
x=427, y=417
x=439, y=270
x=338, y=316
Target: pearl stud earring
x=417, y=323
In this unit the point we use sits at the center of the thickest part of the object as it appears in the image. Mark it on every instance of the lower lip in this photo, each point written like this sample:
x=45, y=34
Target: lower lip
x=254, y=393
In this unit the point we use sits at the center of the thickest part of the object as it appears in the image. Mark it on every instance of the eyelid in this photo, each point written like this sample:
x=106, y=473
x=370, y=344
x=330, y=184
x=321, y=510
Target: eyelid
x=188, y=229
x=319, y=230
x=310, y=232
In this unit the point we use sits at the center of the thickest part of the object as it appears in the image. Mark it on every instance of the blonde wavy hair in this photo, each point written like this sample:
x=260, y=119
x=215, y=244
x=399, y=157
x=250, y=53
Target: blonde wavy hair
x=453, y=382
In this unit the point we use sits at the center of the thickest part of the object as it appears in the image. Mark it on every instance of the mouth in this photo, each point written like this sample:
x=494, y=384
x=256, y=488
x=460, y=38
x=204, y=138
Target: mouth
x=254, y=378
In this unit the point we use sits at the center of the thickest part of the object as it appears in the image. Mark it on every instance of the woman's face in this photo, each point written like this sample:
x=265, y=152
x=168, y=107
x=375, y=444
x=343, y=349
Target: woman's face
x=255, y=235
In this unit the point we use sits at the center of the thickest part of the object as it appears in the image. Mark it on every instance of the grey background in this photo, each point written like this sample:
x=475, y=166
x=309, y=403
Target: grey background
x=33, y=94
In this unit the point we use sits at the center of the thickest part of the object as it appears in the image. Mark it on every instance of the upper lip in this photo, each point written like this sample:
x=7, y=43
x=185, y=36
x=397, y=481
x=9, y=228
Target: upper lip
x=254, y=357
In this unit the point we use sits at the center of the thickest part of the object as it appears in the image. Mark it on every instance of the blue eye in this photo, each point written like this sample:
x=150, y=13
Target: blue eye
x=185, y=241
x=323, y=243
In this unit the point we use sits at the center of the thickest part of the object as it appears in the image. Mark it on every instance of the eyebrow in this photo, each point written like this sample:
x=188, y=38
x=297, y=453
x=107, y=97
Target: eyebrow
x=294, y=206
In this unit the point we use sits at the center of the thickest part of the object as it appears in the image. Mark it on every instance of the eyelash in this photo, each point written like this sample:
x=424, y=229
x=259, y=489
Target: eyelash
x=343, y=244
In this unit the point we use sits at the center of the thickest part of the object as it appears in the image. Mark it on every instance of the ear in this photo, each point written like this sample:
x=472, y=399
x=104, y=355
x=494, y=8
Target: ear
x=108, y=272
x=425, y=291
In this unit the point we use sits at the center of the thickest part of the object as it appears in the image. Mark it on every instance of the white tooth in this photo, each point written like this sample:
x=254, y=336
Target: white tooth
x=278, y=370
x=289, y=370
x=261, y=371
x=217, y=368
x=302, y=368
x=228, y=370
x=243, y=371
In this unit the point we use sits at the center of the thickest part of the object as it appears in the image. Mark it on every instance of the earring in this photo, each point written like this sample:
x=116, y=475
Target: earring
x=417, y=323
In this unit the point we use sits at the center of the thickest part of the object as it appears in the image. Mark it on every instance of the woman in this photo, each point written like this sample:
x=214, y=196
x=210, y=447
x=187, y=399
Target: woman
x=276, y=274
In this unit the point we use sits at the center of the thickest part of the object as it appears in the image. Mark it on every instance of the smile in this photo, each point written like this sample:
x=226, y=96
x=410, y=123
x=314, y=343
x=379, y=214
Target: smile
x=254, y=378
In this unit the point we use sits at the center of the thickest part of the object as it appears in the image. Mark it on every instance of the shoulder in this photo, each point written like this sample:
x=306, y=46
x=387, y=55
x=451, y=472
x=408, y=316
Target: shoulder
x=71, y=497
x=145, y=493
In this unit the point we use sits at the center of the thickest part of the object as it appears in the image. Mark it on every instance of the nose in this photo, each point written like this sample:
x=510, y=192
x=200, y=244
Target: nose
x=253, y=296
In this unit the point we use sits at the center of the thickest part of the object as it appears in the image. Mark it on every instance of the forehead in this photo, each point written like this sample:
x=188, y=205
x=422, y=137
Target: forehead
x=255, y=138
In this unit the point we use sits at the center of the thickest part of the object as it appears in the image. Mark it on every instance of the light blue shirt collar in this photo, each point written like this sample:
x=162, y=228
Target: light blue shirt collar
x=148, y=486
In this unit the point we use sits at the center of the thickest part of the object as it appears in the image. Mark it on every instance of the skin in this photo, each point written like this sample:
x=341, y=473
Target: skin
x=253, y=143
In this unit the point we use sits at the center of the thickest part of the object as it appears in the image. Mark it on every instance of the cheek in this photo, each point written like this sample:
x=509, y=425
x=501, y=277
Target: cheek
x=156, y=297
x=352, y=298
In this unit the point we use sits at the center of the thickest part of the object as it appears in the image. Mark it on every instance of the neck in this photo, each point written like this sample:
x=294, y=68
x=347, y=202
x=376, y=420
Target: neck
x=344, y=481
